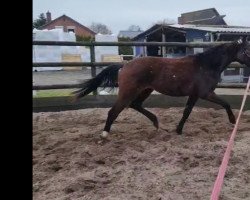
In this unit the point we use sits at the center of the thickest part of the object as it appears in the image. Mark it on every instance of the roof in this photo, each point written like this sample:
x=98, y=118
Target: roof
x=155, y=28
x=215, y=20
x=129, y=34
x=207, y=28
x=214, y=29
x=69, y=18
x=201, y=17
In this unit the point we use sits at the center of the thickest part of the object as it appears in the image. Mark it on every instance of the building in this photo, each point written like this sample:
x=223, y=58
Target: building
x=208, y=16
x=128, y=34
x=191, y=33
x=198, y=26
x=68, y=25
x=132, y=32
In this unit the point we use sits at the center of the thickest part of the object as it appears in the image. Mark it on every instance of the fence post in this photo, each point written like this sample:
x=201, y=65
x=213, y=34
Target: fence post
x=92, y=60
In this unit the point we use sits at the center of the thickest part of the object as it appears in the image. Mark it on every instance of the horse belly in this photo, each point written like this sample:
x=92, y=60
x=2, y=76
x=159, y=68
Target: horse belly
x=174, y=87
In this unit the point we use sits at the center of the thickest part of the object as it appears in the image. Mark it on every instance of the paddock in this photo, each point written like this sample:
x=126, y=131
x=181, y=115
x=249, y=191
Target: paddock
x=70, y=161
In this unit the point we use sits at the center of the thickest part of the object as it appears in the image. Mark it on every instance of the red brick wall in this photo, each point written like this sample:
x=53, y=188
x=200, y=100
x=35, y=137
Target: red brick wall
x=64, y=21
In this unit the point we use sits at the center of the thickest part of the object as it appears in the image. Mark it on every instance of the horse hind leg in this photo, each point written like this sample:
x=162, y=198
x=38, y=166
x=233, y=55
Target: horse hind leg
x=124, y=99
x=112, y=115
x=137, y=105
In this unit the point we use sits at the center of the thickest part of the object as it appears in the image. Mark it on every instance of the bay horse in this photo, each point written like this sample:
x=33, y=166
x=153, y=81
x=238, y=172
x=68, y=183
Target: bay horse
x=195, y=76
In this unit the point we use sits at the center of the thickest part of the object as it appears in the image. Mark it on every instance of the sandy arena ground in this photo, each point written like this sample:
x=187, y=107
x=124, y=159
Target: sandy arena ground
x=137, y=162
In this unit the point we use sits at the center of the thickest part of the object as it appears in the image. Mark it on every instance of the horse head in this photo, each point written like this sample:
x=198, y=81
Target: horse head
x=243, y=54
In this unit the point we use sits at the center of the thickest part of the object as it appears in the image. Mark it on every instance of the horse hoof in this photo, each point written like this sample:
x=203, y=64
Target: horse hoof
x=179, y=131
x=104, y=134
x=156, y=125
x=232, y=120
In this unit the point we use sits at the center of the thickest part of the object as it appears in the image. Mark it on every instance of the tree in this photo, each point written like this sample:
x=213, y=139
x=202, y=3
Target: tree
x=100, y=28
x=125, y=50
x=40, y=21
x=166, y=21
x=134, y=28
x=80, y=38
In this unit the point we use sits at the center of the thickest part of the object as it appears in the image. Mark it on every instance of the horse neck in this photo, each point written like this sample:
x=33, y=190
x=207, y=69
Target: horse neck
x=218, y=58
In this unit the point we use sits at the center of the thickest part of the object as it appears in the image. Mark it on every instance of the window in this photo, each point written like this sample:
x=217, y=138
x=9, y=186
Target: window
x=232, y=71
x=71, y=29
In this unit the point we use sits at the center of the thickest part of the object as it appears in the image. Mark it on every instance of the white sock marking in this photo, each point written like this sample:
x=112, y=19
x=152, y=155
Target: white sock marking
x=104, y=134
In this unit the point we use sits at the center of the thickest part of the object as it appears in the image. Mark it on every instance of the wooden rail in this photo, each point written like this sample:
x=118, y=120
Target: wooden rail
x=94, y=64
x=71, y=86
x=170, y=44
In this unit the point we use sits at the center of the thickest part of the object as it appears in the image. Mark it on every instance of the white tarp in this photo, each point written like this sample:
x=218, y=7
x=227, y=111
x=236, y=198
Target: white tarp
x=43, y=53
x=103, y=50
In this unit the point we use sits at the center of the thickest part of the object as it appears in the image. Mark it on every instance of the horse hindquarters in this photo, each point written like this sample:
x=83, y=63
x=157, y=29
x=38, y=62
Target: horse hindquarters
x=137, y=105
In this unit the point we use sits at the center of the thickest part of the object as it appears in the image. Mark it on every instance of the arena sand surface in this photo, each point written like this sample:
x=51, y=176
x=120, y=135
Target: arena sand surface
x=138, y=162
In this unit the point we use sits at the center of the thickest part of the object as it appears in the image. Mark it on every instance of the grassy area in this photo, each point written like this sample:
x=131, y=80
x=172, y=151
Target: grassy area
x=64, y=92
x=53, y=93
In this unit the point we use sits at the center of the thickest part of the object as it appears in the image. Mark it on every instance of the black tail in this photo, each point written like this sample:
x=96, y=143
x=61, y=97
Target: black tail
x=106, y=78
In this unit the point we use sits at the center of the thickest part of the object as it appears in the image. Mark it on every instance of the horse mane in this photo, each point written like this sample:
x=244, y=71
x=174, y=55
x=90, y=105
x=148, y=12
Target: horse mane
x=215, y=56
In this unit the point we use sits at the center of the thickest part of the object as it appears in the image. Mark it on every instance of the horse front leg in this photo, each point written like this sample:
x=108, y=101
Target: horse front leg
x=189, y=106
x=212, y=97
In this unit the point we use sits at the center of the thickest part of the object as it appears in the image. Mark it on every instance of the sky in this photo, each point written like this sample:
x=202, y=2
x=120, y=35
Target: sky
x=120, y=14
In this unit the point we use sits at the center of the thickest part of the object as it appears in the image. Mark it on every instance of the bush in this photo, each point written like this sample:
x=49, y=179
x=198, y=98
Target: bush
x=80, y=38
x=125, y=50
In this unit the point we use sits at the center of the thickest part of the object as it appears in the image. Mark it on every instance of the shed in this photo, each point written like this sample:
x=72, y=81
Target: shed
x=186, y=33
x=190, y=33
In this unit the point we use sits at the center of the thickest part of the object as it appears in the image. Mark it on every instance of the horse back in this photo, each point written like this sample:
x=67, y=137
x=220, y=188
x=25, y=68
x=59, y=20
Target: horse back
x=168, y=76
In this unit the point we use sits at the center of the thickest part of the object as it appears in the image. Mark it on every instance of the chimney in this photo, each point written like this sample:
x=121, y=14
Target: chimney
x=48, y=16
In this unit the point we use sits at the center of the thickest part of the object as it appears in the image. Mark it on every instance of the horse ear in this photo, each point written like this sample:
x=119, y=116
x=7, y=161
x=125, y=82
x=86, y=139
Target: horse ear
x=245, y=38
x=240, y=41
